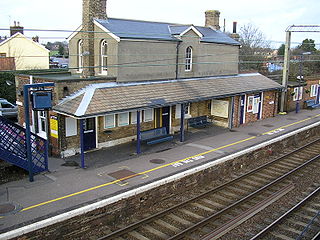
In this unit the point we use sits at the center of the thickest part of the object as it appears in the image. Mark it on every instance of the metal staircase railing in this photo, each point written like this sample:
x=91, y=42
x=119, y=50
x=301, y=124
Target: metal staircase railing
x=13, y=147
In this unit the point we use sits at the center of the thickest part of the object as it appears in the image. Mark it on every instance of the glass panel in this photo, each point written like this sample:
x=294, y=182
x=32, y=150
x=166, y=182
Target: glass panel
x=123, y=119
x=109, y=121
x=148, y=115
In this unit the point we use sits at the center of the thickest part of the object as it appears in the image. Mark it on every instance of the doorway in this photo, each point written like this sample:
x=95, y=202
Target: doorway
x=166, y=118
x=242, y=108
x=89, y=132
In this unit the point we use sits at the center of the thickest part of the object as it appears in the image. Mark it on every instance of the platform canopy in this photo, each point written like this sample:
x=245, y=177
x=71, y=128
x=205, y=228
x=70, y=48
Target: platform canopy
x=112, y=97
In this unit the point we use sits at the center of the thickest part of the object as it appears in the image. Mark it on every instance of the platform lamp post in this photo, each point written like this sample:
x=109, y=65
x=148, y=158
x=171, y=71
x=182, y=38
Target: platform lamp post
x=300, y=79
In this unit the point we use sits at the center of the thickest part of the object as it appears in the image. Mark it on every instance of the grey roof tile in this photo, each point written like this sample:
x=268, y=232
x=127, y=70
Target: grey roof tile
x=139, y=96
x=125, y=28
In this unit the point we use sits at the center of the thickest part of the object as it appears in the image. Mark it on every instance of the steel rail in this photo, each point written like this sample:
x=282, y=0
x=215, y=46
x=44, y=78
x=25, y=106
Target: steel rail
x=250, y=196
x=135, y=225
x=283, y=217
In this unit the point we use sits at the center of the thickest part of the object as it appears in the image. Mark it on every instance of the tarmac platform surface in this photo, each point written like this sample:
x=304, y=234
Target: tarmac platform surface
x=66, y=189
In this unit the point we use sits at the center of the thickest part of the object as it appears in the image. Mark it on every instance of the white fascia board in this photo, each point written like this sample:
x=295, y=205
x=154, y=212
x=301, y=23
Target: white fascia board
x=115, y=37
x=74, y=33
x=193, y=29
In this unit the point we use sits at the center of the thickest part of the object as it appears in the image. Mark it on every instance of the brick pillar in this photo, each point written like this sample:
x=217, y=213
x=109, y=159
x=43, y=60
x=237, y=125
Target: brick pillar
x=91, y=9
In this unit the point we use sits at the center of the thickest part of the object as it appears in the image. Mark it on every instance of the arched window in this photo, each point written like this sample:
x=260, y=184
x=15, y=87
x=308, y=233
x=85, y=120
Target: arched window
x=80, y=55
x=188, y=66
x=104, y=56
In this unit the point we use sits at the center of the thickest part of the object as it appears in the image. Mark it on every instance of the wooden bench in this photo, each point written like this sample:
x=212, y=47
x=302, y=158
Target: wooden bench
x=312, y=104
x=199, y=122
x=156, y=135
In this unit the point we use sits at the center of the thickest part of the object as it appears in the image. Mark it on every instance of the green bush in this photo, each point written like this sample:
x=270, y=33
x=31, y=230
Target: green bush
x=6, y=91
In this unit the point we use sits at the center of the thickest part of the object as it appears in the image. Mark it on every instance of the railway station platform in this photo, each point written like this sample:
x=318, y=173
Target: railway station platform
x=68, y=190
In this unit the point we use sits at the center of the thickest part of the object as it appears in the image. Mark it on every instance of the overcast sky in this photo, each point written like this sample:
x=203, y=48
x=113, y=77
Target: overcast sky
x=272, y=17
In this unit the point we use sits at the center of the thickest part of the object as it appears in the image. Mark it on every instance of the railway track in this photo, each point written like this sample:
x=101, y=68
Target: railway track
x=300, y=222
x=215, y=212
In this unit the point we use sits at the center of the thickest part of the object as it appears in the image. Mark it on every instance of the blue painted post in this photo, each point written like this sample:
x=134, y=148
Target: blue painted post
x=82, y=142
x=182, y=123
x=46, y=149
x=27, y=121
x=28, y=134
x=138, y=133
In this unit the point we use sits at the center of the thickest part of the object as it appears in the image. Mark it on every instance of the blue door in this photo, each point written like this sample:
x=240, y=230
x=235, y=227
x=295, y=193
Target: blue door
x=89, y=131
x=166, y=118
x=242, y=108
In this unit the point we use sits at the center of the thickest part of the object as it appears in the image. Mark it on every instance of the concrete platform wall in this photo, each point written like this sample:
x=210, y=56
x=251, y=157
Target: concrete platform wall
x=124, y=207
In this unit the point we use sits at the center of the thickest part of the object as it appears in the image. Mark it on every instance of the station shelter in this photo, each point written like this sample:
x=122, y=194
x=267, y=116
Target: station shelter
x=107, y=114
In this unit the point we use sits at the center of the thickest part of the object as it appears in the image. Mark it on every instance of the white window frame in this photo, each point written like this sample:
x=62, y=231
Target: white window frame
x=80, y=55
x=188, y=63
x=314, y=90
x=144, y=115
x=186, y=112
x=71, y=126
x=297, y=94
x=256, y=104
x=104, y=57
x=105, y=121
x=134, y=117
x=125, y=123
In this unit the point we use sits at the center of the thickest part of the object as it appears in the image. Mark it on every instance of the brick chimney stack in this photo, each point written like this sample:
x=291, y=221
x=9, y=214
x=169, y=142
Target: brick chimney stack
x=90, y=9
x=16, y=28
x=212, y=19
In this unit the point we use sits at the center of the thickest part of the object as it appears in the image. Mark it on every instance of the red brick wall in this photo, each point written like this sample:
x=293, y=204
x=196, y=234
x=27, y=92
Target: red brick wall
x=7, y=63
x=269, y=108
x=291, y=105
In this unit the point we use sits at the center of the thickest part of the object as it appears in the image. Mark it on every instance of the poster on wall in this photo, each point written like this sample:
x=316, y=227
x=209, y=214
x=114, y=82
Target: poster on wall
x=256, y=102
x=250, y=104
x=54, y=126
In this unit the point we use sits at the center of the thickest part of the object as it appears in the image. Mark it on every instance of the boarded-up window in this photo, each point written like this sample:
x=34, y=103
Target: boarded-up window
x=220, y=108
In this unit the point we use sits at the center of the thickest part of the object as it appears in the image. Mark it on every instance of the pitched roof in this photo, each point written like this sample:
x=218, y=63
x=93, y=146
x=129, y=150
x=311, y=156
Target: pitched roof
x=136, y=29
x=20, y=35
x=103, y=98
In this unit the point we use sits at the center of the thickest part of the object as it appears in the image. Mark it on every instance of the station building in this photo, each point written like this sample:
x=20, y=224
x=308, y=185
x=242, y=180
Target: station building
x=121, y=69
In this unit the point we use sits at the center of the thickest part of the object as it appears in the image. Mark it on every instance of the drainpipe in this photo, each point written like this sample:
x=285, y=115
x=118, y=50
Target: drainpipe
x=177, y=59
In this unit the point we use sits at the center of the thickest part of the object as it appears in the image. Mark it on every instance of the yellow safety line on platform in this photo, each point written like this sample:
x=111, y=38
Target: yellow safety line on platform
x=291, y=124
x=157, y=168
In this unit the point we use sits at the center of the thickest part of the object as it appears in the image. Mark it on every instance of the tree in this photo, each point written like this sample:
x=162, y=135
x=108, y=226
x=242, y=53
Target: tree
x=308, y=45
x=254, y=48
x=61, y=50
x=281, y=50
x=7, y=86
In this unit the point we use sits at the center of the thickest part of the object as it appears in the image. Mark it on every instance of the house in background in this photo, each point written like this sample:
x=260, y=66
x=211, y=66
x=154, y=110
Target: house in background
x=128, y=75
x=27, y=54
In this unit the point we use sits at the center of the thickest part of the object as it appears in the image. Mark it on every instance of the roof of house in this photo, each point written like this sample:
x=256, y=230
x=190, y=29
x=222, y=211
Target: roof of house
x=20, y=35
x=136, y=29
x=112, y=97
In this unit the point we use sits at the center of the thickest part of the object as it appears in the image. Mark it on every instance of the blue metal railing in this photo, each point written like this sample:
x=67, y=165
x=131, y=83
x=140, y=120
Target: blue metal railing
x=13, y=147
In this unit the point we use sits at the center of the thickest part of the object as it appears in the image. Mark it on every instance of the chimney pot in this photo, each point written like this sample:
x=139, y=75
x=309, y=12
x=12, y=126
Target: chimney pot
x=212, y=19
x=16, y=28
x=234, y=27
